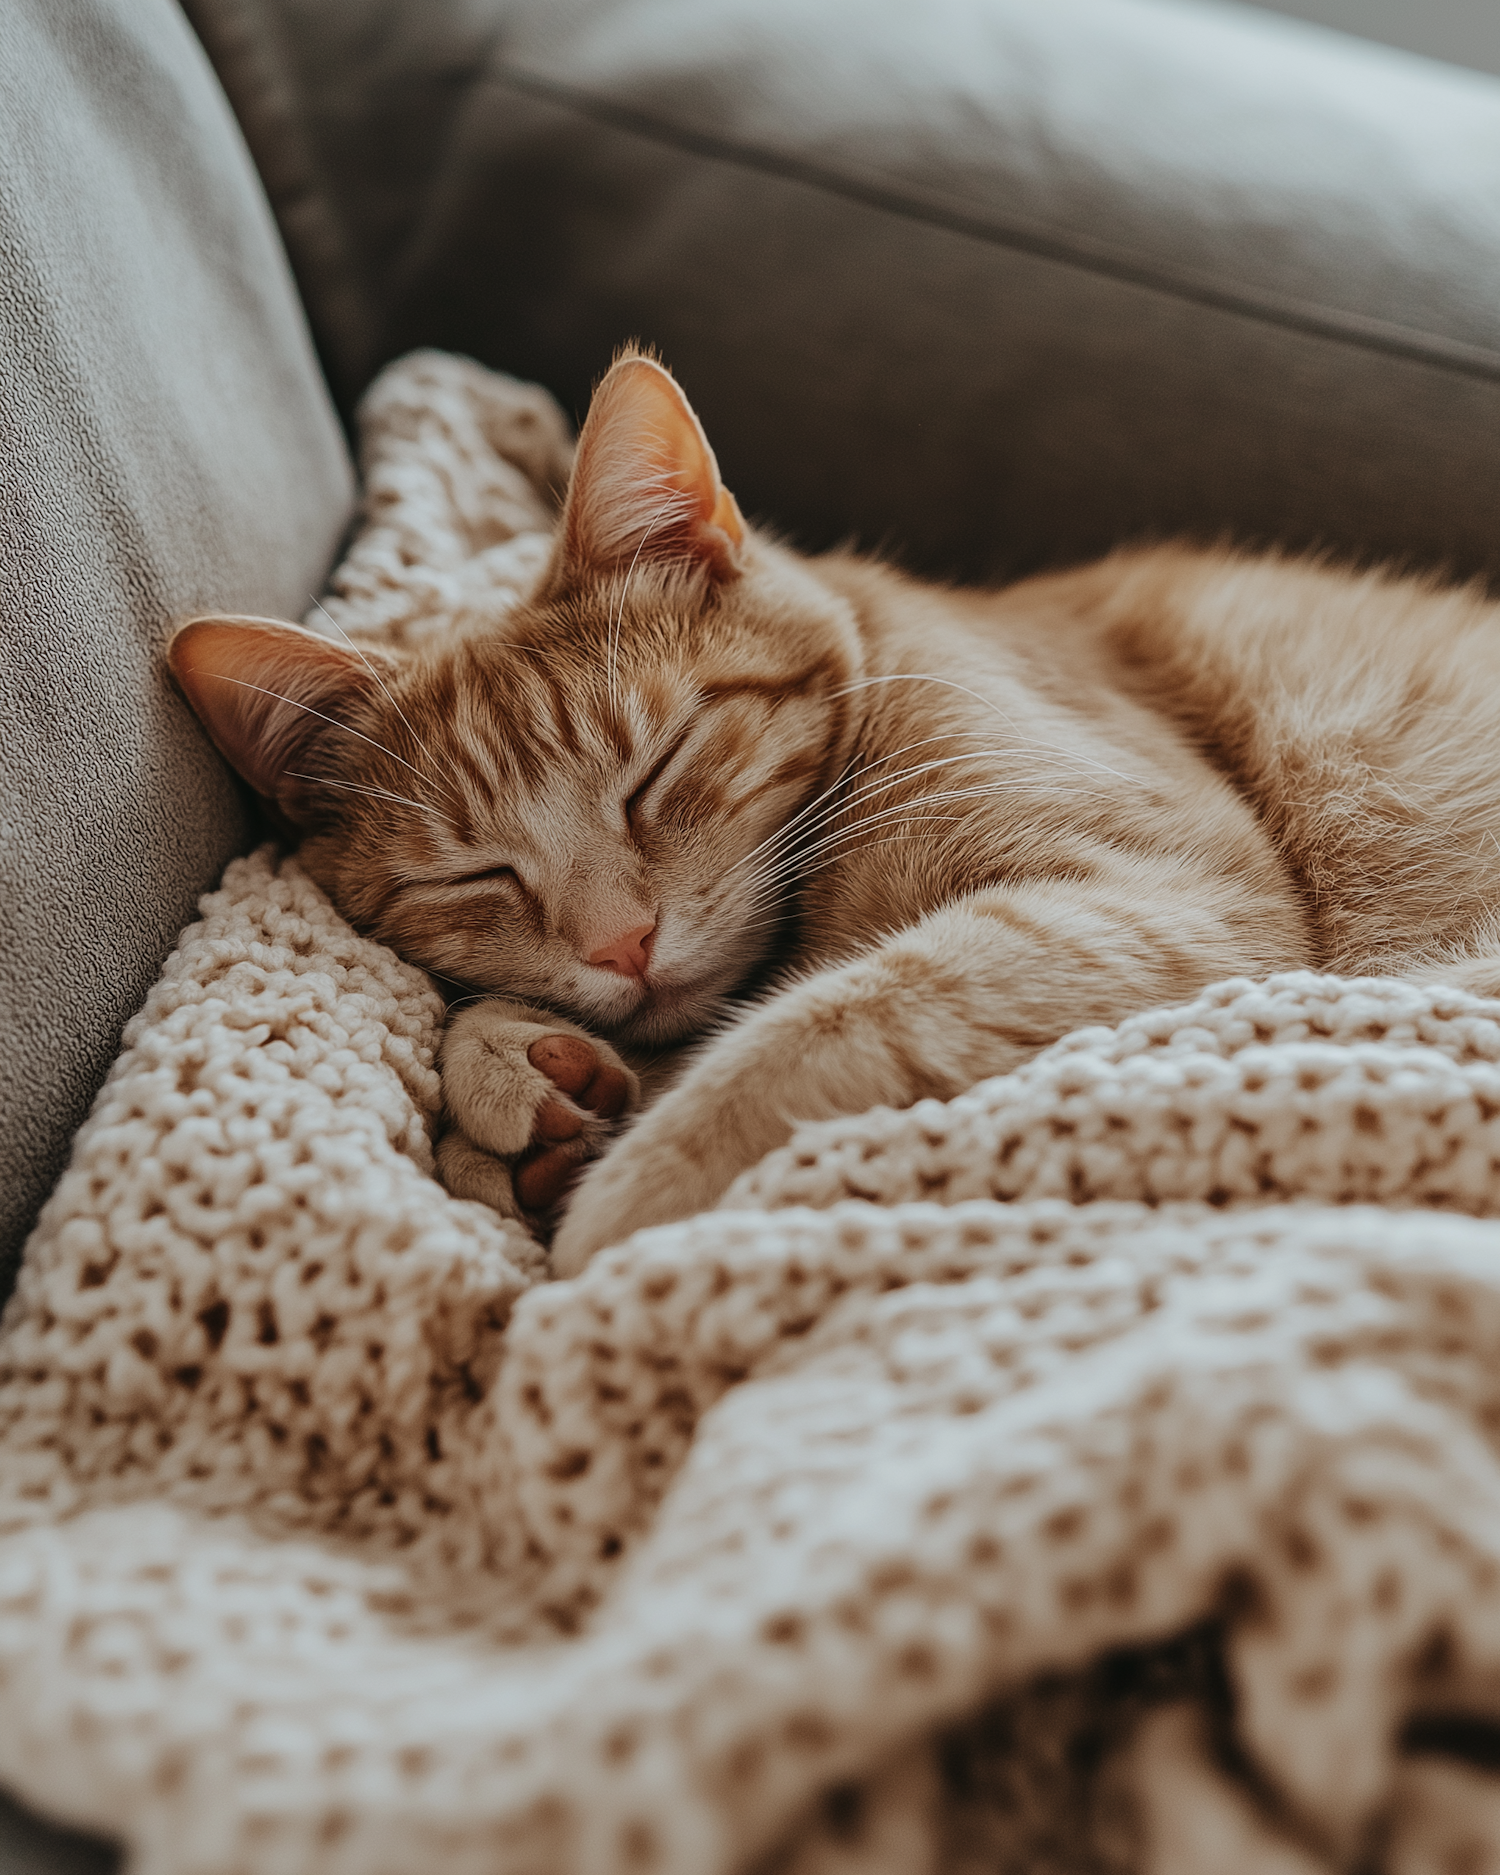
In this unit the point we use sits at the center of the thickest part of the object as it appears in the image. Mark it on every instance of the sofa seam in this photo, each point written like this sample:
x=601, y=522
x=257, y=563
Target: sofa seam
x=1084, y=252
x=251, y=66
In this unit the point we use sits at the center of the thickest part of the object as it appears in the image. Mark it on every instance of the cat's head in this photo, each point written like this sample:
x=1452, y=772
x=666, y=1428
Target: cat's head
x=580, y=807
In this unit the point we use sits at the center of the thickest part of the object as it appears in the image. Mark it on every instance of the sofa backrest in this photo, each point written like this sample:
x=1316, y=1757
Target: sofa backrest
x=997, y=283
x=166, y=445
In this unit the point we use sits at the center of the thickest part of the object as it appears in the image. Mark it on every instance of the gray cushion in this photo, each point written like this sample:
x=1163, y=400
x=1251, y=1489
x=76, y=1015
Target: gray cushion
x=993, y=282
x=28, y=1846
x=166, y=444
x=1465, y=31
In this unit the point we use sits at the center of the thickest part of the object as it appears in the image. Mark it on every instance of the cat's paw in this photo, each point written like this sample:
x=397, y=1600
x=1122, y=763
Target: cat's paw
x=529, y=1099
x=1479, y=975
x=678, y=1159
x=645, y=1180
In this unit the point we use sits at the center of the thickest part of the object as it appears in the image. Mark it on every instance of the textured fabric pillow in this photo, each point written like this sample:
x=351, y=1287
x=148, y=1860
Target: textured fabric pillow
x=991, y=282
x=166, y=444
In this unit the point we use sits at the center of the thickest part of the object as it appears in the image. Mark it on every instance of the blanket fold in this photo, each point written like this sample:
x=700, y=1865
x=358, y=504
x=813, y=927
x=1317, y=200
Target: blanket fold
x=1098, y=1471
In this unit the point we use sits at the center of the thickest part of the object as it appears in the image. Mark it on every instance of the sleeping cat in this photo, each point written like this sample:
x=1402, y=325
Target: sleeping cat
x=874, y=839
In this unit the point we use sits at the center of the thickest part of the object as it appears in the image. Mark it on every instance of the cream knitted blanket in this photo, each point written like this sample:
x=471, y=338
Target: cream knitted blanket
x=1097, y=1472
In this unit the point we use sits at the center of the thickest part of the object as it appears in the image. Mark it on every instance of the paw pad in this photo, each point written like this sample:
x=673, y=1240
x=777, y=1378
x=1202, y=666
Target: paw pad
x=596, y=1089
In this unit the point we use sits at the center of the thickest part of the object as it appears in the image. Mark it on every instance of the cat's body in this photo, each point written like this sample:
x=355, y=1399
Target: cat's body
x=929, y=831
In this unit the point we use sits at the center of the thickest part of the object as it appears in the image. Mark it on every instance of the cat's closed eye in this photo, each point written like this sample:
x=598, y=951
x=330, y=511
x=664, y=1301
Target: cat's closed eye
x=490, y=875
x=637, y=797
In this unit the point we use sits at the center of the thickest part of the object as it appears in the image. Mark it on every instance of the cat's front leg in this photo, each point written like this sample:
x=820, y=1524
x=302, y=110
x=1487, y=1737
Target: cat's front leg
x=859, y=1035
x=528, y=1099
x=972, y=990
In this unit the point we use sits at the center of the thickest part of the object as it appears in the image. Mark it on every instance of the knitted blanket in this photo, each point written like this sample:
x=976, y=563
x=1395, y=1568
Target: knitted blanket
x=1096, y=1472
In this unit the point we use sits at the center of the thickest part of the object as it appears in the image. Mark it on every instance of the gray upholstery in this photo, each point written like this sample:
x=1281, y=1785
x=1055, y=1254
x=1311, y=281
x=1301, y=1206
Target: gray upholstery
x=166, y=444
x=993, y=284
x=28, y=1846
x=1466, y=32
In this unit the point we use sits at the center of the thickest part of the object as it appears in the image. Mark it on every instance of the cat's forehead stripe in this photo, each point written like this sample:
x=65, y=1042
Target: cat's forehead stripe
x=774, y=685
x=562, y=721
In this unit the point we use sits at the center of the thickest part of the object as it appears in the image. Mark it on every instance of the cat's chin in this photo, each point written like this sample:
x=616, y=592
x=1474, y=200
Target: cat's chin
x=668, y=1013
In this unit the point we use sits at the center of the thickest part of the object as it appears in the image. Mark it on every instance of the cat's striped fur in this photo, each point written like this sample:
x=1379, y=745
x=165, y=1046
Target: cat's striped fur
x=873, y=838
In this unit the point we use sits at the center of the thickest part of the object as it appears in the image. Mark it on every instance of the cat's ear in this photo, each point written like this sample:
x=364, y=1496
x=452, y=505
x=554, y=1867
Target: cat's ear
x=263, y=691
x=645, y=485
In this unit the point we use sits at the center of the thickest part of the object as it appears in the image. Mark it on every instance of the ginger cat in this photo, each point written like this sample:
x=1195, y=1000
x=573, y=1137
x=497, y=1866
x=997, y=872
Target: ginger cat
x=794, y=837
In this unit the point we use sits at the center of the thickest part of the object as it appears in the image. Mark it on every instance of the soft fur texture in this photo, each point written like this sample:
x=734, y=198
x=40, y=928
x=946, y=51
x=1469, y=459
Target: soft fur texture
x=927, y=832
x=1097, y=1471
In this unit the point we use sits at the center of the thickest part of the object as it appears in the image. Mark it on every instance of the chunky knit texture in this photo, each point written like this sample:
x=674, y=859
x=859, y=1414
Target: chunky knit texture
x=1100, y=1471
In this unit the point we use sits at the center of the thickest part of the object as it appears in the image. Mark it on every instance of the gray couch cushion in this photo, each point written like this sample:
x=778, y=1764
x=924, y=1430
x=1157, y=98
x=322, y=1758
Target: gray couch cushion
x=28, y=1846
x=166, y=444
x=996, y=283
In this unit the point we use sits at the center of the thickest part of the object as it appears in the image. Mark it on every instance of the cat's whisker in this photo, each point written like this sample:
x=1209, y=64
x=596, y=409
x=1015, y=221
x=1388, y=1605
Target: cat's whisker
x=896, y=809
x=794, y=828
x=333, y=722
x=827, y=858
x=790, y=832
x=359, y=653
x=796, y=863
x=616, y=625
x=764, y=924
x=767, y=887
x=468, y=994
x=787, y=830
x=917, y=677
x=375, y=794
x=916, y=772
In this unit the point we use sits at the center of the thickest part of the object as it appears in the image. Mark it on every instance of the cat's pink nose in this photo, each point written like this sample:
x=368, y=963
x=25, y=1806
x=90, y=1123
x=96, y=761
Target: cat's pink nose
x=628, y=955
